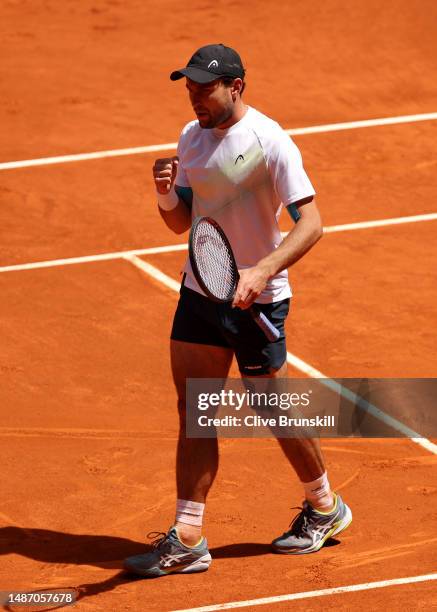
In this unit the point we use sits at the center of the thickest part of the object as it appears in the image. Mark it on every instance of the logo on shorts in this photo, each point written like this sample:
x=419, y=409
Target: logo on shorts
x=239, y=157
x=257, y=367
x=213, y=64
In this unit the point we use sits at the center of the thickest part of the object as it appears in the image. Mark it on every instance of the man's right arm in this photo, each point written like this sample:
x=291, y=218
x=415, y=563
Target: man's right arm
x=173, y=208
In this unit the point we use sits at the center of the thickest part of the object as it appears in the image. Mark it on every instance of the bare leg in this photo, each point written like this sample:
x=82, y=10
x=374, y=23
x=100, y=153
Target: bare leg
x=197, y=459
x=304, y=454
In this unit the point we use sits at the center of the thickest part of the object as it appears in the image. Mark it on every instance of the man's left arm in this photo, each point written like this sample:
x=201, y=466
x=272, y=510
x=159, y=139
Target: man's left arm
x=304, y=235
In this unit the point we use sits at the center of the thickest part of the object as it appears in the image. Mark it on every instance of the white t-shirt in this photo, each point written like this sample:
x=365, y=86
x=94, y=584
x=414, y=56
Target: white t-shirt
x=241, y=177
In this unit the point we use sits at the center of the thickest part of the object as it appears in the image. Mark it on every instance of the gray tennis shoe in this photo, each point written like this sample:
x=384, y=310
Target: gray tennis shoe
x=170, y=556
x=310, y=529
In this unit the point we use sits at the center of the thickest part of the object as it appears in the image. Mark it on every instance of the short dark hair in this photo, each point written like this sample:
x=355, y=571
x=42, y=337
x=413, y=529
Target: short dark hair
x=228, y=81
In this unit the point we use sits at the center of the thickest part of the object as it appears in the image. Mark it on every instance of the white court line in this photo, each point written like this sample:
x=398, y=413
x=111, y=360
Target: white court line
x=360, y=402
x=351, y=125
x=92, y=258
x=153, y=272
x=304, y=367
x=63, y=159
x=379, y=223
x=352, y=588
x=314, y=129
x=183, y=247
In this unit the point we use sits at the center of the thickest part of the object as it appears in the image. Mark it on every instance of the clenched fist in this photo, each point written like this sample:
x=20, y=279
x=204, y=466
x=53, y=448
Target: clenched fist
x=164, y=173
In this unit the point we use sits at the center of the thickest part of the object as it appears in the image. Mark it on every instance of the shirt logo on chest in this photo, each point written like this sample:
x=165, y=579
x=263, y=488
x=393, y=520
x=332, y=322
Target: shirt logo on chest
x=238, y=158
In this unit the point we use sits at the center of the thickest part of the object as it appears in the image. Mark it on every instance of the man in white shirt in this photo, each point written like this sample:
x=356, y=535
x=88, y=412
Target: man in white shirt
x=238, y=166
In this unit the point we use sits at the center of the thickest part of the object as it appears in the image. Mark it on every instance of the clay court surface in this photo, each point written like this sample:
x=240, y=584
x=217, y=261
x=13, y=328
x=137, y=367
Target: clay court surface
x=89, y=426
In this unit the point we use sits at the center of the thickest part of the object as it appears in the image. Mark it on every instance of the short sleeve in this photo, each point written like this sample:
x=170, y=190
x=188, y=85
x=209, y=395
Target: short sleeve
x=181, y=176
x=286, y=169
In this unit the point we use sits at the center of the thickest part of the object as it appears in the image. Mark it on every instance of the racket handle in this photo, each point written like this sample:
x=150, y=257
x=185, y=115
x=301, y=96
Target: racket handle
x=264, y=324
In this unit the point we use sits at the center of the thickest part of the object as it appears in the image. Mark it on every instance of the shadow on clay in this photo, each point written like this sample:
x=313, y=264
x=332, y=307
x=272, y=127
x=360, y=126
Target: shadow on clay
x=101, y=551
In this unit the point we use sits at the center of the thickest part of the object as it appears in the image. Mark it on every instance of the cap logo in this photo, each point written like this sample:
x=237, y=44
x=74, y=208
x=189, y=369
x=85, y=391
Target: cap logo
x=214, y=64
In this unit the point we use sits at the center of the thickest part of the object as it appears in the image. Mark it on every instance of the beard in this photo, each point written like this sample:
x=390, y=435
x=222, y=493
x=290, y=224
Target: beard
x=208, y=121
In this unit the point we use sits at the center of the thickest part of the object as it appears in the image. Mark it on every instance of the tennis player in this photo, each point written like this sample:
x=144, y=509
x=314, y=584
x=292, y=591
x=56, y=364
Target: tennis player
x=238, y=166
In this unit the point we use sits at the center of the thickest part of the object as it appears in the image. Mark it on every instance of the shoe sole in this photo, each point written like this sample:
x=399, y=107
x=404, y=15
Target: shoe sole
x=344, y=523
x=201, y=565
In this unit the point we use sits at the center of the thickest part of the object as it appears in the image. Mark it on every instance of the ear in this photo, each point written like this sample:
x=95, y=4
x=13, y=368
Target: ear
x=236, y=88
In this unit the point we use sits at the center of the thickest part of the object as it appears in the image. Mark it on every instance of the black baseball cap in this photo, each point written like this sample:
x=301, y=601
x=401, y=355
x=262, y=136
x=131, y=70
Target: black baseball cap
x=210, y=63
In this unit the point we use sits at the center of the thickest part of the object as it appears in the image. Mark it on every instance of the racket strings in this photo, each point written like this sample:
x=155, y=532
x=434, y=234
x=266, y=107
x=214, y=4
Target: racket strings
x=214, y=262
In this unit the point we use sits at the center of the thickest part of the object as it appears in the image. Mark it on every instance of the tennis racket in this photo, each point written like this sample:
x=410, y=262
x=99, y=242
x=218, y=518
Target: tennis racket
x=215, y=269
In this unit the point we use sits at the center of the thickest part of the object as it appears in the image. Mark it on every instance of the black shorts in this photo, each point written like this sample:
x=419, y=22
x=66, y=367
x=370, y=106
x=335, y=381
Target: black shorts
x=202, y=321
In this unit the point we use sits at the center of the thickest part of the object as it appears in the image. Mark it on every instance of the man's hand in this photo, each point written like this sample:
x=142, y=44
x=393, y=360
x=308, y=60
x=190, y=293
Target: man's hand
x=252, y=282
x=164, y=173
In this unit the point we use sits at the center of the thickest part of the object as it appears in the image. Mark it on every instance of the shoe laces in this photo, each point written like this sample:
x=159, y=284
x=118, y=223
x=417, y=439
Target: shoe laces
x=157, y=538
x=299, y=525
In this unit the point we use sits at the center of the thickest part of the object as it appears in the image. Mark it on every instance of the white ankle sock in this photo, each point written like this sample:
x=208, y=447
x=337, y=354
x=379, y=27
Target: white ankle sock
x=189, y=512
x=318, y=493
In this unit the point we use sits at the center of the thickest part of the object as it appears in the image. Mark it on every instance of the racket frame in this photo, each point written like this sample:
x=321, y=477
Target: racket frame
x=270, y=331
x=193, y=262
